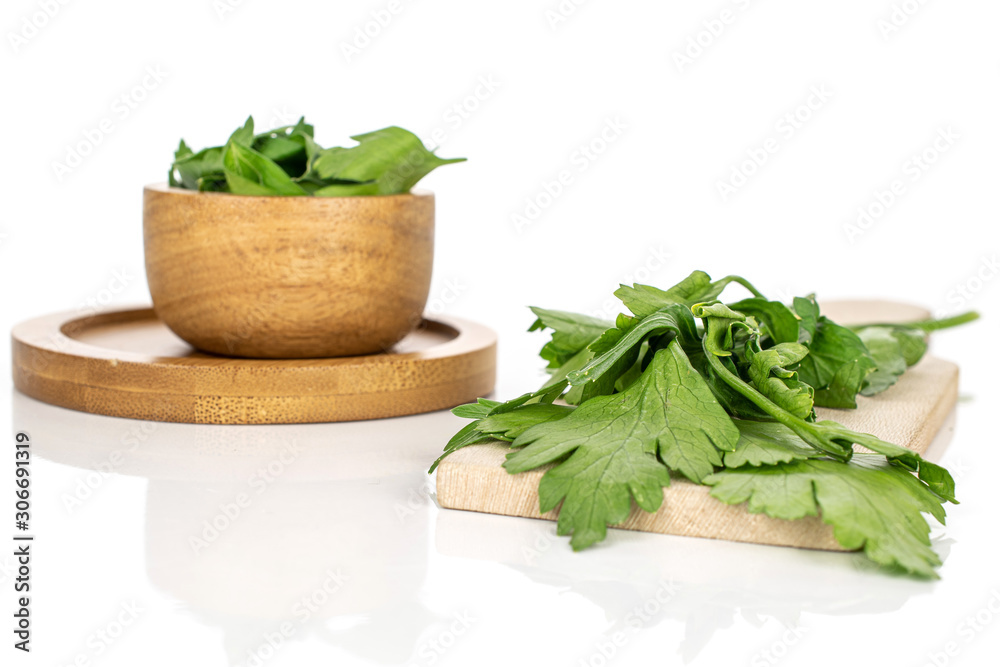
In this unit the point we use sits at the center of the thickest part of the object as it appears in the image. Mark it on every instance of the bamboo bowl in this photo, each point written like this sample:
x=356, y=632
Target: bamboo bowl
x=288, y=277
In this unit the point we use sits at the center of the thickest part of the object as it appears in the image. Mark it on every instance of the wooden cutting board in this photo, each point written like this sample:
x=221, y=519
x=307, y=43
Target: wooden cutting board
x=910, y=413
x=127, y=363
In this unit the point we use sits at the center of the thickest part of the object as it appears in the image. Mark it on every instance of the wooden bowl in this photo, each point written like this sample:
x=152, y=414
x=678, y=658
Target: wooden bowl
x=288, y=277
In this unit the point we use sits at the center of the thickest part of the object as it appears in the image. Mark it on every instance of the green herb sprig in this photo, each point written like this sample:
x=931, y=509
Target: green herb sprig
x=725, y=395
x=287, y=161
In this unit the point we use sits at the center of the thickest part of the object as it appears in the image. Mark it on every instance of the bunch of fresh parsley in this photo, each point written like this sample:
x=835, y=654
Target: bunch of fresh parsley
x=723, y=394
x=287, y=161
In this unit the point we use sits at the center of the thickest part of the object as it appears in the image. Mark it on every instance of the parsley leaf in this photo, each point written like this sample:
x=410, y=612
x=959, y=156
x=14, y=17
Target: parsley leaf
x=643, y=300
x=780, y=323
x=769, y=373
x=503, y=421
x=764, y=443
x=510, y=425
x=838, y=360
x=393, y=159
x=571, y=333
x=893, y=349
x=620, y=346
x=613, y=442
x=251, y=173
x=287, y=161
x=871, y=504
x=195, y=170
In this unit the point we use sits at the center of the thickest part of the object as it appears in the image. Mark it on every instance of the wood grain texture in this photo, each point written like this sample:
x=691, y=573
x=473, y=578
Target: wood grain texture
x=128, y=364
x=288, y=277
x=909, y=413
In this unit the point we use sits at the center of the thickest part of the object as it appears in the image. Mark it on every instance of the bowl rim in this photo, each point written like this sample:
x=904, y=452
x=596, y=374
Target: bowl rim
x=165, y=188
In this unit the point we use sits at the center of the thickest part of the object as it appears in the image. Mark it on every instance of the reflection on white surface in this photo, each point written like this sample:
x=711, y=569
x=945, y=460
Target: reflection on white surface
x=706, y=584
x=298, y=553
x=263, y=527
x=327, y=530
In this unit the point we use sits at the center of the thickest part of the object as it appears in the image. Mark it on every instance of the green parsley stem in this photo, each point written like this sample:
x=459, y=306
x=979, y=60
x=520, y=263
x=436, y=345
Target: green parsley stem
x=808, y=432
x=746, y=283
x=928, y=325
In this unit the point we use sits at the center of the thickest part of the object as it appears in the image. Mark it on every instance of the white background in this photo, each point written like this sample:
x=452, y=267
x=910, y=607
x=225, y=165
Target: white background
x=646, y=207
